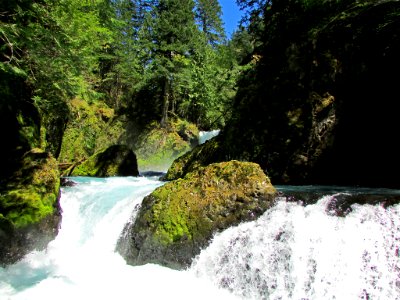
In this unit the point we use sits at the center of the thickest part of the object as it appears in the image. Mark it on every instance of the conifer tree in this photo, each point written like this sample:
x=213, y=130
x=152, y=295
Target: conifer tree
x=208, y=16
x=122, y=67
x=173, y=35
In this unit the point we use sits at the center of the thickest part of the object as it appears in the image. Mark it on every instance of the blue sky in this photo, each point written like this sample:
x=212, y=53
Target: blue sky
x=231, y=15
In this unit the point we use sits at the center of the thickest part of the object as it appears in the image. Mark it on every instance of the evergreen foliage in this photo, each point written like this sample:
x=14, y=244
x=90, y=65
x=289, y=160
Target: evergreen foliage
x=177, y=63
x=208, y=17
x=150, y=60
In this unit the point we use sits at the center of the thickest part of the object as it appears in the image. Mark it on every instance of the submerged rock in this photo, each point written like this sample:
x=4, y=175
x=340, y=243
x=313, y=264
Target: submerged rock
x=65, y=182
x=29, y=209
x=116, y=160
x=180, y=218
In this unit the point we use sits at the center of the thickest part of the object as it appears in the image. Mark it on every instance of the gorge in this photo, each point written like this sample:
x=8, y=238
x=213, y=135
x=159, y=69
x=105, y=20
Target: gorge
x=305, y=91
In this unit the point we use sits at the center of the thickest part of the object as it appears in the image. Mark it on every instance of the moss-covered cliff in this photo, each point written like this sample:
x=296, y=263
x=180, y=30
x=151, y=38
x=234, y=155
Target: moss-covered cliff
x=116, y=160
x=200, y=156
x=94, y=127
x=19, y=119
x=29, y=177
x=91, y=128
x=29, y=208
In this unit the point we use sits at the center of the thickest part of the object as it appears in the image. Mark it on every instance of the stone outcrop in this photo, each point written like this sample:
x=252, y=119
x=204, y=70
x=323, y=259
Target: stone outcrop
x=157, y=147
x=91, y=128
x=29, y=176
x=29, y=208
x=116, y=160
x=180, y=218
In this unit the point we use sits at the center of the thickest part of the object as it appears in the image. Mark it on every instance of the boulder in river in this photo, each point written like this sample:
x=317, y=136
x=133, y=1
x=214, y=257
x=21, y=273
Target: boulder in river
x=179, y=218
x=116, y=160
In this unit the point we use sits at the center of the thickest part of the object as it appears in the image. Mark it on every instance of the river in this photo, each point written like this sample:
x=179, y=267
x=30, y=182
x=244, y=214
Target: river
x=293, y=251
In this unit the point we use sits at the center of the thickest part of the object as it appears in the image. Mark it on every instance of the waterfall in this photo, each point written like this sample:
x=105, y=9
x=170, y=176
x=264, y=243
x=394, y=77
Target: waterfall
x=207, y=135
x=81, y=262
x=304, y=252
x=293, y=251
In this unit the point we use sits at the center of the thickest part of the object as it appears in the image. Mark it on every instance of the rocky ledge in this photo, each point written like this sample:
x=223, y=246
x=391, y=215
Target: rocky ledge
x=116, y=160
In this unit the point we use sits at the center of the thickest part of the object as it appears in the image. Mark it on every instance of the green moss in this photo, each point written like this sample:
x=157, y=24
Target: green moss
x=191, y=207
x=87, y=168
x=157, y=147
x=116, y=160
x=27, y=206
x=93, y=127
x=32, y=192
x=172, y=217
x=200, y=156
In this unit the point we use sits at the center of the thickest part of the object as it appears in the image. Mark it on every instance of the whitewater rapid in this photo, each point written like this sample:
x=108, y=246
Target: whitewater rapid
x=81, y=262
x=207, y=135
x=297, y=252
x=291, y=252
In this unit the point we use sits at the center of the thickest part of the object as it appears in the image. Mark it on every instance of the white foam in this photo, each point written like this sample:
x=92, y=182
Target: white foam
x=296, y=252
x=81, y=263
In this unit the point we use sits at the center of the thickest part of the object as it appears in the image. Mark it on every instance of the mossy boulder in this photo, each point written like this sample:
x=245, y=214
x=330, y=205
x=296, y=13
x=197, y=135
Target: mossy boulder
x=157, y=147
x=29, y=207
x=180, y=218
x=116, y=160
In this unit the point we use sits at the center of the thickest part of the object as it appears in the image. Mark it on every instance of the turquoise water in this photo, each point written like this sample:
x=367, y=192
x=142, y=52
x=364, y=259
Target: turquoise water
x=293, y=251
x=81, y=262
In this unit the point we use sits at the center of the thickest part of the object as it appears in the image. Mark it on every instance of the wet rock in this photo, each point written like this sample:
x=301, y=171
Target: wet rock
x=67, y=182
x=180, y=218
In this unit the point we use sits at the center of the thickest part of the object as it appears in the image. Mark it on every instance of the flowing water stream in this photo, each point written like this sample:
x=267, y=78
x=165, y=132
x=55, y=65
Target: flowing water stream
x=207, y=135
x=293, y=251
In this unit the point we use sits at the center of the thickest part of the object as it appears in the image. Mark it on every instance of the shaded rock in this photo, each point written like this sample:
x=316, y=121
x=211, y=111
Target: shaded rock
x=200, y=156
x=116, y=160
x=341, y=199
x=156, y=147
x=16, y=242
x=19, y=120
x=180, y=218
x=91, y=128
x=67, y=182
x=29, y=208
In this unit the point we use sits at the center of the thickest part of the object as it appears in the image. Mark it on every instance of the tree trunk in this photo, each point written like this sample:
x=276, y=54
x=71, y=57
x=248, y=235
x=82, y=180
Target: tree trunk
x=164, y=117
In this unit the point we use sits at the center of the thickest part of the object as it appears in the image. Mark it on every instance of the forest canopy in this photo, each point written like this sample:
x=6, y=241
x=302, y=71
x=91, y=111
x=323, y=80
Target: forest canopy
x=148, y=59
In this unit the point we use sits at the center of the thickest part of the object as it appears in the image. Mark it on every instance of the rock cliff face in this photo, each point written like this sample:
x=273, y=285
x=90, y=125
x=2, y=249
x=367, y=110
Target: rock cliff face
x=156, y=147
x=29, y=177
x=94, y=127
x=116, y=160
x=200, y=156
x=90, y=129
x=321, y=106
x=180, y=218
x=29, y=209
